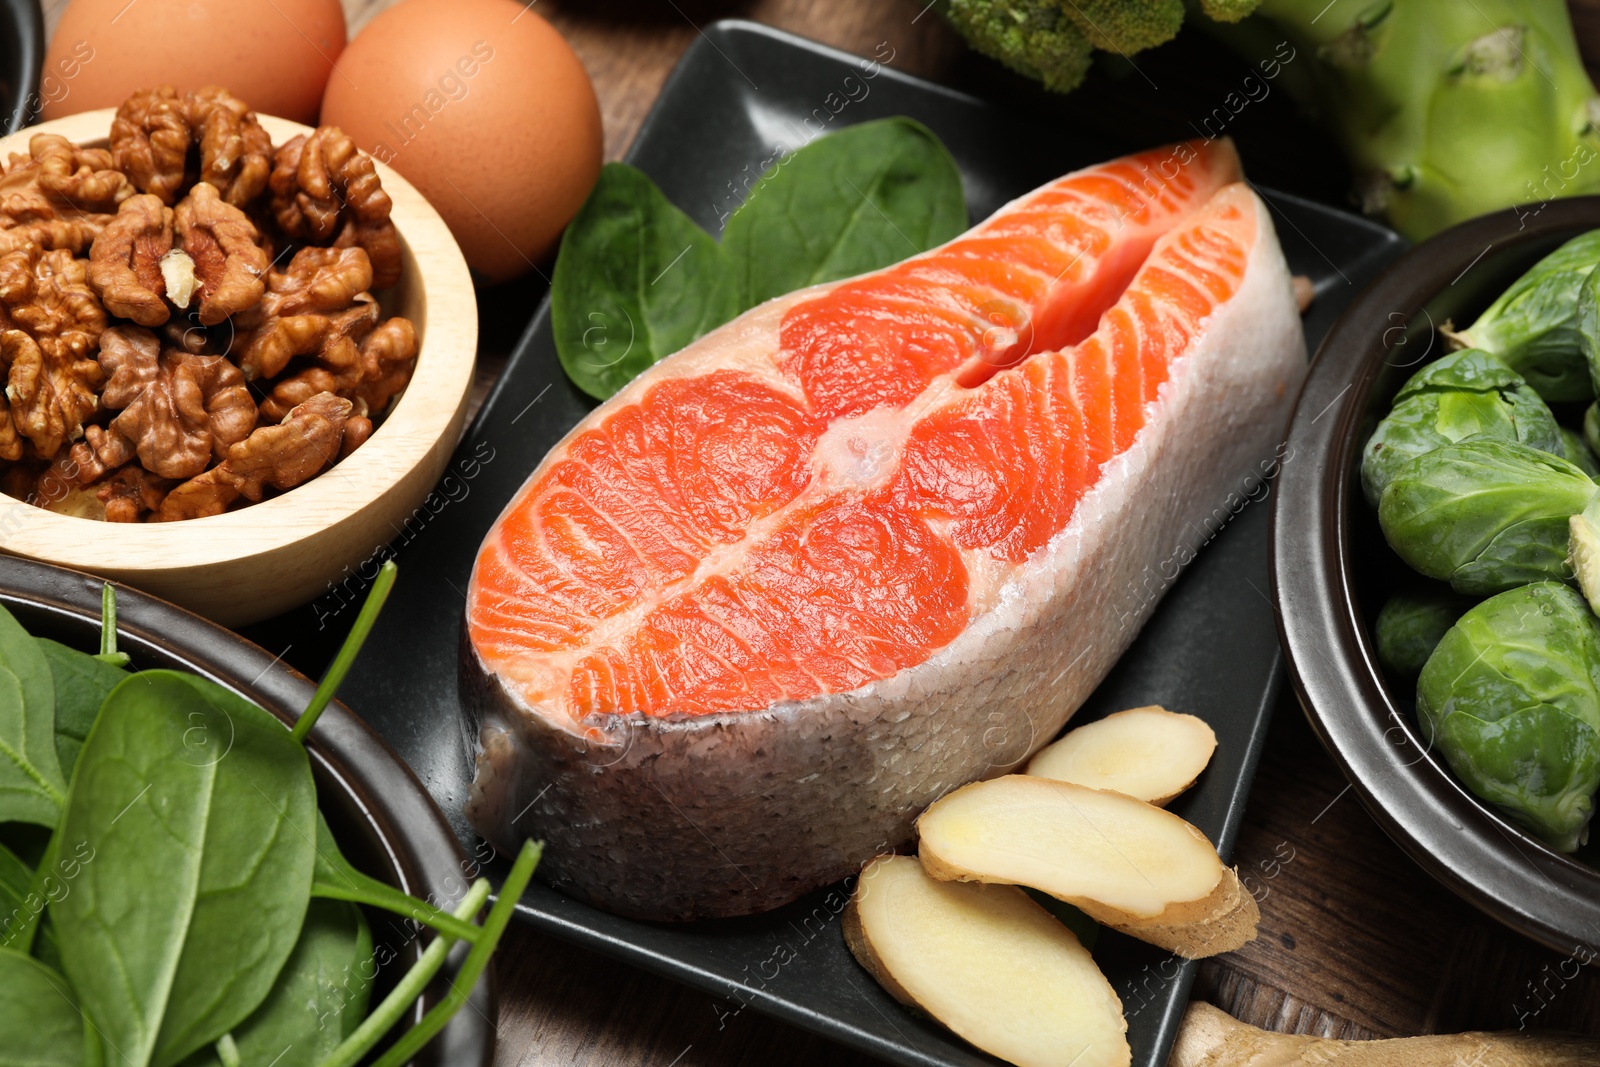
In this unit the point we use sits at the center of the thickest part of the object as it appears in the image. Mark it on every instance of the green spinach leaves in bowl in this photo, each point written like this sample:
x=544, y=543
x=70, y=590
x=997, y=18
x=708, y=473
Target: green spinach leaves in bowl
x=174, y=894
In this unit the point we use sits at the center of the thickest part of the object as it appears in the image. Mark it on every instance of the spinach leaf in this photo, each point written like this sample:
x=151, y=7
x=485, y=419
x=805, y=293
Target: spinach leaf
x=16, y=879
x=19, y=935
x=46, y=948
x=39, y=1018
x=200, y=810
x=82, y=683
x=320, y=997
x=334, y=878
x=851, y=202
x=635, y=281
x=31, y=786
x=24, y=894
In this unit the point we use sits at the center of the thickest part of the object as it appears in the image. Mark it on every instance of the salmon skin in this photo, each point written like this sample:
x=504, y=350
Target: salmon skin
x=870, y=541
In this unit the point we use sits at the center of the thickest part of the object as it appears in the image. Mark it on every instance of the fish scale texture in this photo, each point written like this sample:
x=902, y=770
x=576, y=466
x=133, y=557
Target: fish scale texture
x=870, y=541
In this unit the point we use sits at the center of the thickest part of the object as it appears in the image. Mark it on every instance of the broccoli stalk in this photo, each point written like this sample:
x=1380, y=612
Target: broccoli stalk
x=1446, y=110
x=1449, y=110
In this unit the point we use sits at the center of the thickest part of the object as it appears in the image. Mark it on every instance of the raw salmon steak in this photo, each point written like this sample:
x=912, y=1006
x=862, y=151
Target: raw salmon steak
x=872, y=540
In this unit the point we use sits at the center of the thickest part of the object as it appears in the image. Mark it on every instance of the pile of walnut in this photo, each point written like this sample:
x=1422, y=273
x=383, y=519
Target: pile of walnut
x=185, y=321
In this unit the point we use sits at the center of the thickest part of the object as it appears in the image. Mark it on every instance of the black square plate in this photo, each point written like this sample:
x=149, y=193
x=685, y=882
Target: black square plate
x=741, y=95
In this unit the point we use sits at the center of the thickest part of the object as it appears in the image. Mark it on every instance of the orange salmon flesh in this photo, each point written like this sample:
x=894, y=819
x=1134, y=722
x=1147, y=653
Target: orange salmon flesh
x=808, y=519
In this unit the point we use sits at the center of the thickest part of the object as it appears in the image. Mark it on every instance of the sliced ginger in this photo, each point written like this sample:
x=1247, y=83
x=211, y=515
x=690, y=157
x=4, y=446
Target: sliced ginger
x=1125, y=863
x=987, y=962
x=1149, y=753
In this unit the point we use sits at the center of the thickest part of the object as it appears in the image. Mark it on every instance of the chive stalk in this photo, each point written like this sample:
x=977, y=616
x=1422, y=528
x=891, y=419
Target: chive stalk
x=108, y=628
x=412, y=1041
x=349, y=650
x=361, y=1040
x=360, y=888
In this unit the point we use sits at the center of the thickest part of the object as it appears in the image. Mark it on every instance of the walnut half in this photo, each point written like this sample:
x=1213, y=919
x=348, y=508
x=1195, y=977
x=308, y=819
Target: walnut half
x=306, y=442
x=47, y=353
x=175, y=410
x=326, y=189
x=301, y=309
x=58, y=195
x=154, y=130
x=124, y=261
x=151, y=258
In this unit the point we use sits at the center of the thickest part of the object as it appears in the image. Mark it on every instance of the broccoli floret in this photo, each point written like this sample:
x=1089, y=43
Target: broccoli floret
x=1035, y=38
x=1126, y=26
x=1055, y=35
x=1051, y=40
x=1229, y=10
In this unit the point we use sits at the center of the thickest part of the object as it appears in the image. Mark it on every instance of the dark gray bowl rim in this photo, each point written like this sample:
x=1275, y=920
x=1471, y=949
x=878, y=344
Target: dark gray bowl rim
x=23, y=47
x=357, y=773
x=1460, y=841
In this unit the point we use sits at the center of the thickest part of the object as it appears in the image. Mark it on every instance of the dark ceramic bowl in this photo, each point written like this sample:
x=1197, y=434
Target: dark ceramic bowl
x=1332, y=571
x=381, y=816
x=21, y=55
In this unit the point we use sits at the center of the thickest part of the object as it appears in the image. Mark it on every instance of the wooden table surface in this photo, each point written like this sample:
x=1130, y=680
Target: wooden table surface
x=1355, y=940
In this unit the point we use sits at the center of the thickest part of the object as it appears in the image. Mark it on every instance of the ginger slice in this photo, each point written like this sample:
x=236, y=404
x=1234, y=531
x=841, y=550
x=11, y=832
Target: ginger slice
x=1149, y=753
x=1125, y=863
x=988, y=963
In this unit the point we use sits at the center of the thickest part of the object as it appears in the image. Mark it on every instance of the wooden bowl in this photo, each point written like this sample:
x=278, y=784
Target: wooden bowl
x=262, y=559
x=382, y=817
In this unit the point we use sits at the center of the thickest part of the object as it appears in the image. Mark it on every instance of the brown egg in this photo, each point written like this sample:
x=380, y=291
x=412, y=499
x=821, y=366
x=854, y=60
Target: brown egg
x=276, y=56
x=485, y=108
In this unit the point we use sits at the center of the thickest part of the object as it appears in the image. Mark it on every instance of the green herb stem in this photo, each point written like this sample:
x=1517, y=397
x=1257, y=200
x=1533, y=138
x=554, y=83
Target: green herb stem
x=362, y=889
x=108, y=619
x=361, y=1040
x=228, y=1051
x=108, y=628
x=412, y=1041
x=348, y=651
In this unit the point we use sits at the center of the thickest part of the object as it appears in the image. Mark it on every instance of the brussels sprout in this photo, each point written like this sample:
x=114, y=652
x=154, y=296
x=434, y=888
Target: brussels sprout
x=1462, y=394
x=1410, y=626
x=1589, y=330
x=1534, y=326
x=1511, y=698
x=1583, y=551
x=1484, y=515
x=1577, y=452
x=1591, y=428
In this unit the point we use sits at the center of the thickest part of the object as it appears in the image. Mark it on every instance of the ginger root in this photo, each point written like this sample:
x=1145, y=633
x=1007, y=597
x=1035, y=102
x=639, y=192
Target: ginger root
x=1212, y=1038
